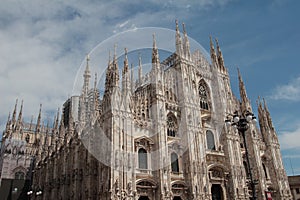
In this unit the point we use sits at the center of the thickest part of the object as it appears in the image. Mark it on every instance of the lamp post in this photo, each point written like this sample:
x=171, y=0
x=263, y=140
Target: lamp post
x=241, y=122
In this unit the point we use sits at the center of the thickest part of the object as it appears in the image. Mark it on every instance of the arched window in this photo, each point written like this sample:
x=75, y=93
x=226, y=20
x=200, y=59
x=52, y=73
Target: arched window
x=27, y=138
x=19, y=175
x=174, y=162
x=265, y=171
x=143, y=159
x=171, y=125
x=210, y=140
x=204, y=96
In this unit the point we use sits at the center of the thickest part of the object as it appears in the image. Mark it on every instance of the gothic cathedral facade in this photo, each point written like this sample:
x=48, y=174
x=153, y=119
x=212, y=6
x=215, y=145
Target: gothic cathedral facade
x=161, y=136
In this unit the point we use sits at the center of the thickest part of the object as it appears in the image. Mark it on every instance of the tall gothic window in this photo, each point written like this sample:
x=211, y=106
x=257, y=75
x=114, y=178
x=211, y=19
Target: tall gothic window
x=174, y=162
x=143, y=159
x=203, y=94
x=210, y=140
x=19, y=175
x=171, y=125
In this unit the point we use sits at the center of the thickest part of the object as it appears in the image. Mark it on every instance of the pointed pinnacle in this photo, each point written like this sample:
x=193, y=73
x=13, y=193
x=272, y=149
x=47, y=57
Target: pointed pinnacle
x=125, y=70
x=211, y=42
x=109, y=57
x=183, y=27
x=15, y=112
x=115, y=51
x=154, y=41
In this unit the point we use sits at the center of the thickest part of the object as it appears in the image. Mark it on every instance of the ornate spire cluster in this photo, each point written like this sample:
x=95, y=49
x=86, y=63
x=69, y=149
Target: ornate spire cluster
x=217, y=57
x=266, y=125
x=182, y=46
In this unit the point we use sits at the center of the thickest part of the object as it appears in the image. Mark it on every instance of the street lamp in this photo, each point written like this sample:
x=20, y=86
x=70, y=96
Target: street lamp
x=29, y=193
x=241, y=122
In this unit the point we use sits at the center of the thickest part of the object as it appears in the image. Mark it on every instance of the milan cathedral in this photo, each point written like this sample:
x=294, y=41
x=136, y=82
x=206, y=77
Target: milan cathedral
x=156, y=135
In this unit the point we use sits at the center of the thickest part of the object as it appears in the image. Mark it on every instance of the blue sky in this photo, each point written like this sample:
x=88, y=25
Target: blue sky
x=44, y=42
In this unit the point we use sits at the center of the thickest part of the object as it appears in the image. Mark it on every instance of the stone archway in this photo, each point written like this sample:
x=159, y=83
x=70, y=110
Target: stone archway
x=217, y=192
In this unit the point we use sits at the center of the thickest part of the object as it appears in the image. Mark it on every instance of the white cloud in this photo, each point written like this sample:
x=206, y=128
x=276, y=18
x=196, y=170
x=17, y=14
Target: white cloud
x=290, y=91
x=290, y=139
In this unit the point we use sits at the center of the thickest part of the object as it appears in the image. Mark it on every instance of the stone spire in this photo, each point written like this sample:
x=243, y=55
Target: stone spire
x=46, y=138
x=125, y=69
x=268, y=116
x=31, y=121
x=245, y=102
x=8, y=123
x=86, y=77
x=140, y=72
x=220, y=57
x=94, y=96
x=56, y=120
x=186, y=44
x=71, y=121
x=38, y=123
x=132, y=79
x=96, y=81
x=13, y=120
x=61, y=135
x=115, y=69
x=19, y=122
x=155, y=56
x=213, y=52
x=125, y=73
x=108, y=72
x=178, y=41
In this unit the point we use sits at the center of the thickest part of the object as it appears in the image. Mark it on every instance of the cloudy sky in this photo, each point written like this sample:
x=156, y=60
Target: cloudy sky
x=43, y=43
